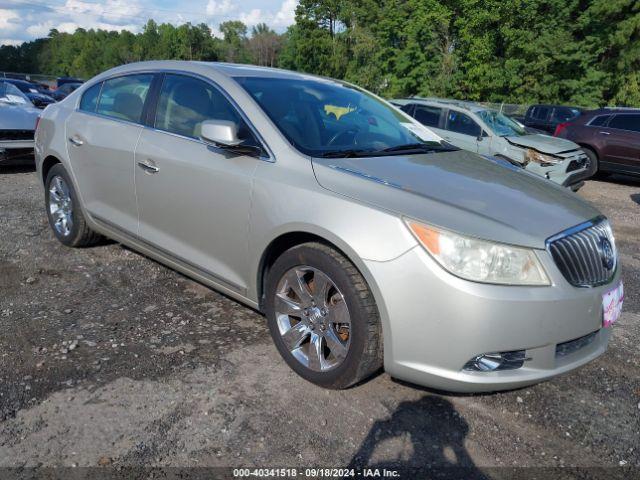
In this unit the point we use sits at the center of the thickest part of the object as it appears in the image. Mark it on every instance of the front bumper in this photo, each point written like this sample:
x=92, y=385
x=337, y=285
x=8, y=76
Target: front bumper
x=436, y=322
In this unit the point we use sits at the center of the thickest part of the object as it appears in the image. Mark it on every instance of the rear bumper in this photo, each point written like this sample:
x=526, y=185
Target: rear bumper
x=16, y=152
x=438, y=322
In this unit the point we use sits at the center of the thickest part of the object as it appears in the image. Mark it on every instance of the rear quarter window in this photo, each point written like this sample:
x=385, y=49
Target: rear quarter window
x=89, y=100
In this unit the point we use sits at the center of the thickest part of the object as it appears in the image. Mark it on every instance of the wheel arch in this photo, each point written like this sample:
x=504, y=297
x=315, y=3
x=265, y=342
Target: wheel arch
x=47, y=165
x=590, y=148
x=284, y=240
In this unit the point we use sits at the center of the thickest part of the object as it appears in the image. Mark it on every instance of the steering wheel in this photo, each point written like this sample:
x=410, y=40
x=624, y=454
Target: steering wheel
x=351, y=130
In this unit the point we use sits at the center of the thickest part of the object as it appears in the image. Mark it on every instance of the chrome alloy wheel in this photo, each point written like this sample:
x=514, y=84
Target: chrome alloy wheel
x=313, y=318
x=60, y=205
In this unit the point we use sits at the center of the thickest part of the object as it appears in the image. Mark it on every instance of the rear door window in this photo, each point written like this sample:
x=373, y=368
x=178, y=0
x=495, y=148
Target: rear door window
x=626, y=122
x=427, y=115
x=599, y=121
x=123, y=97
x=459, y=122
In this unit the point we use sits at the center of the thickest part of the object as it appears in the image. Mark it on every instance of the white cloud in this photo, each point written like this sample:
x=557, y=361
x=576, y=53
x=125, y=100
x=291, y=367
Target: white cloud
x=9, y=20
x=284, y=17
x=10, y=41
x=27, y=21
x=220, y=7
x=253, y=17
x=39, y=30
x=111, y=11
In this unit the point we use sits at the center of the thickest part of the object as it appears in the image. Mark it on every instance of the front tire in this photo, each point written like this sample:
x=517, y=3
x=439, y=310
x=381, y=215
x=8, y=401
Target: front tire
x=322, y=316
x=594, y=163
x=63, y=210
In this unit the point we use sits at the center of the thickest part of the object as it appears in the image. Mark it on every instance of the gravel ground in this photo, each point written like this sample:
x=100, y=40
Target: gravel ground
x=108, y=358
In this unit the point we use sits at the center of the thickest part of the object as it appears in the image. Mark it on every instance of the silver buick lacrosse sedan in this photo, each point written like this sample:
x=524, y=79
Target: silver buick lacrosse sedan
x=365, y=239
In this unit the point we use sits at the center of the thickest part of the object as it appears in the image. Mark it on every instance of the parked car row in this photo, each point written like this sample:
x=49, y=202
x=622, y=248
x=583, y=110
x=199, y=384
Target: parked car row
x=476, y=128
x=41, y=95
x=18, y=119
x=365, y=237
x=21, y=102
x=601, y=141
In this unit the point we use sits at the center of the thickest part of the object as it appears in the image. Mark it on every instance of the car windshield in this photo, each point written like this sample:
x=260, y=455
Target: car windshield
x=329, y=118
x=9, y=93
x=500, y=124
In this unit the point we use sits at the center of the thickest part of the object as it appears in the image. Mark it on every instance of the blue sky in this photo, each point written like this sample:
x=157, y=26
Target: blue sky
x=22, y=20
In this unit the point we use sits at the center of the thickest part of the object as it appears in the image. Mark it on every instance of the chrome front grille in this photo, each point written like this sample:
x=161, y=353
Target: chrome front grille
x=586, y=255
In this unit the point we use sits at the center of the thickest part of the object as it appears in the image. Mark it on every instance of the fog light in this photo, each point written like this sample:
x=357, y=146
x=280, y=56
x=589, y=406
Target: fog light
x=489, y=362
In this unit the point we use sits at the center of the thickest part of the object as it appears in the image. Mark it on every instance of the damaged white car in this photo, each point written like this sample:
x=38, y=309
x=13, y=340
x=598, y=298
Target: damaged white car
x=18, y=118
x=479, y=129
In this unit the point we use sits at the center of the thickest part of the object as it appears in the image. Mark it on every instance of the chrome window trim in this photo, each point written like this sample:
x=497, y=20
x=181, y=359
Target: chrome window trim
x=269, y=157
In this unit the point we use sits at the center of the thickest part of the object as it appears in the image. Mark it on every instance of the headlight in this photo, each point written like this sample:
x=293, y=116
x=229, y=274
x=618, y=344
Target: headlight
x=480, y=260
x=537, y=157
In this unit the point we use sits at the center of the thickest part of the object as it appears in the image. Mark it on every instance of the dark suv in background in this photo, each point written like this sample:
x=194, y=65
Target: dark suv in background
x=548, y=117
x=609, y=136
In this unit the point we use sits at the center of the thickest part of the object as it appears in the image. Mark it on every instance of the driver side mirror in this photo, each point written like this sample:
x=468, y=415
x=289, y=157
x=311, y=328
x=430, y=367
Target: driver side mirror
x=221, y=133
x=224, y=134
x=481, y=136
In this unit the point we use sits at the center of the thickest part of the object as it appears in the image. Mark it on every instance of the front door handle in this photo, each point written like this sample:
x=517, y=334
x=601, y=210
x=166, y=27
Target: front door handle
x=605, y=133
x=148, y=168
x=76, y=141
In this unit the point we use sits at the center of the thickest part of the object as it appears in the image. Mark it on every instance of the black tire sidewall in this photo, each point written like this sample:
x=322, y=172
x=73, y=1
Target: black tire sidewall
x=340, y=376
x=76, y=215
x=594, y=164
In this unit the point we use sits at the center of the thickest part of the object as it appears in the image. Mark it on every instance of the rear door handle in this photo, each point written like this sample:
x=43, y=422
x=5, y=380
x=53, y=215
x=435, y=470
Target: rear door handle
x=605, y=133
x=76, y=141
x=148, y=168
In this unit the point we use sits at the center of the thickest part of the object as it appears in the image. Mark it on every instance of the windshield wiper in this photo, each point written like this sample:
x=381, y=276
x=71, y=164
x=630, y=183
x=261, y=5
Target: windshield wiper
x=348, y=153
x=424, y=147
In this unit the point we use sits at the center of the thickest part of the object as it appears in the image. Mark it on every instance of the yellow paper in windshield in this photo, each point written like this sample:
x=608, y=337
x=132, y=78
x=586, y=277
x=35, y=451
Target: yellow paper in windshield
x=337, y=111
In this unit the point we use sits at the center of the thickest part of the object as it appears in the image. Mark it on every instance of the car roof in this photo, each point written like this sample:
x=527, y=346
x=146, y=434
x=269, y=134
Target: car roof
x=611, y=110
x=227, y=69
x=433, y=101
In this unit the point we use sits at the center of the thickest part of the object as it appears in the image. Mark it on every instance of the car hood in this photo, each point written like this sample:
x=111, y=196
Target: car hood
x=16, y=117
x=543, y=143
x=459, y=191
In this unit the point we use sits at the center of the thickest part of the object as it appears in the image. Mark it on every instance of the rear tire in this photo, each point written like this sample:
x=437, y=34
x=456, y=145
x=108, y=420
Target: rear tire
x=322, y=316
x=64, y=212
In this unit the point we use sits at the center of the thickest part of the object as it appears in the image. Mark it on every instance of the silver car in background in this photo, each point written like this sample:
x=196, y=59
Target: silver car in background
x=18, y=118
x=476, y=128
x=365, y=240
